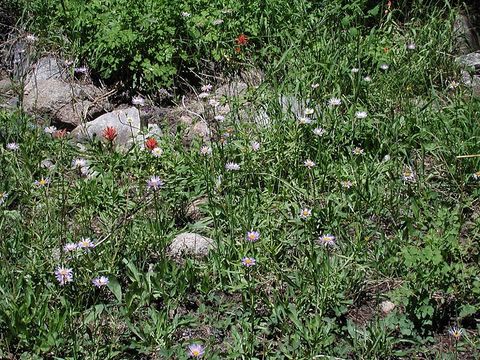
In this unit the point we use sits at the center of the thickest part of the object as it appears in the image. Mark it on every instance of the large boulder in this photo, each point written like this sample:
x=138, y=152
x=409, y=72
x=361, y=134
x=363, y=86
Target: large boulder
x=126, y=123
x=465, y=36
x=50, y=92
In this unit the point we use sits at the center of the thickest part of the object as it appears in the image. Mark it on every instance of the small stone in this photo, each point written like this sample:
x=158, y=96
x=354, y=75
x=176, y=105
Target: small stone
x=387, y=307
x=190, y=244
x=199, y=129
x=194, y=209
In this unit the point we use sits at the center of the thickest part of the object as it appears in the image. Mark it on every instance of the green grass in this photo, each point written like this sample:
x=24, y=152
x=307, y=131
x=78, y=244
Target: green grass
x=415, y=243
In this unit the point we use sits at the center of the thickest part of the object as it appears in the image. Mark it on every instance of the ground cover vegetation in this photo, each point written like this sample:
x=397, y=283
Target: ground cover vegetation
x=347, y=231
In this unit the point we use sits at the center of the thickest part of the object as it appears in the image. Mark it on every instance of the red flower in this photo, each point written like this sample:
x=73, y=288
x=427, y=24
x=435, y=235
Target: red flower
x=237, y=49
x=58, y=134
x=242, y=39
x=151, y=143
x=109, y=133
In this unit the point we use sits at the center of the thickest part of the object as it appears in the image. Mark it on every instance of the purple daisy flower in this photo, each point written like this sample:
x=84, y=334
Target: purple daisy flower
x=70, y=247
x=196, y=350
x=455, y=332
x=64, y=275
x=248, y=261
x=154, y=183
x=253, y=236
x=85, y=243
x=100, y=281
x=305, y=213
x=327, y=240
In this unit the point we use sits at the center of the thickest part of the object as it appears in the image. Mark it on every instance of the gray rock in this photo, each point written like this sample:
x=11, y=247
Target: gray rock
x=47, y=68
x=465, y=36
x=471, y=81
x=234, y=88
x=153, y=130
x=20, y=58
x=199, y=129
x=470, y=61
x=126, y=122
x=11, y=103
x=293, y=105
x=6, y=85
x=253, y=77
x=151, y=113
x=261, y=117
x=190, y=244
x=8, y=96
x=48, y=92
x=194, y=210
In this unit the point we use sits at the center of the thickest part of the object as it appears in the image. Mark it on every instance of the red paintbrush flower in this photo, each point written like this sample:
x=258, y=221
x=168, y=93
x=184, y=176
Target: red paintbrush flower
x=59, y=134
x=151, y=143
x=242, y=39
x=109, y=133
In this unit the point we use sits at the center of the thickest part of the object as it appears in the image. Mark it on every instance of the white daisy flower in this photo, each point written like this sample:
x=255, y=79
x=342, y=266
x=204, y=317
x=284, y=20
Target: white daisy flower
x=319, y=131
x=49, y=130
x=309, y=163
x=157, y=152
x=206, y=88
x=361, y=114
x=334, y=102
x=304, y=120
x=231, y=166
x=79, y=163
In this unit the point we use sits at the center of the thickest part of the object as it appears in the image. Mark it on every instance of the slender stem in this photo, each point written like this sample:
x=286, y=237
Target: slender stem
x=252, y=314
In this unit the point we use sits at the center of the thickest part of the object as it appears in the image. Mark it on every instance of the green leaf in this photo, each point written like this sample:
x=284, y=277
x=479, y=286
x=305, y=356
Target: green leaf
x=374, y=11
x=467, y=310
x=115, y=288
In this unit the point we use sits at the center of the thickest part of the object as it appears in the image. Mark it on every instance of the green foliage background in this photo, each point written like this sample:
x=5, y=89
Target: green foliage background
x=145, y=44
